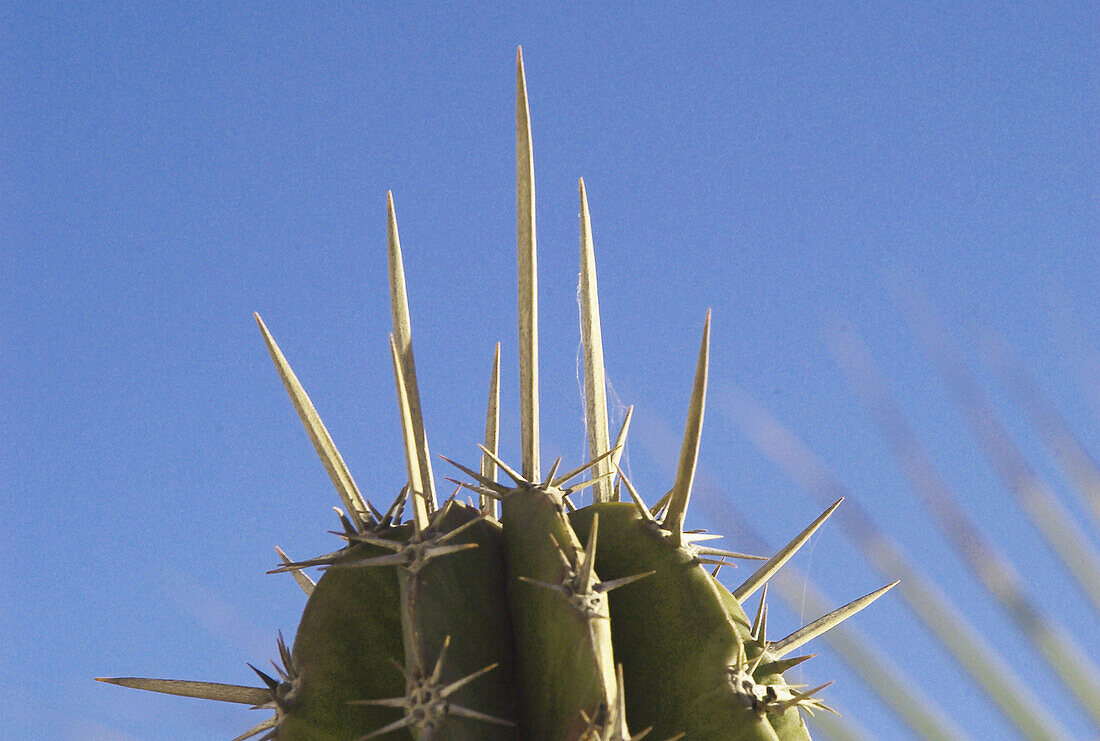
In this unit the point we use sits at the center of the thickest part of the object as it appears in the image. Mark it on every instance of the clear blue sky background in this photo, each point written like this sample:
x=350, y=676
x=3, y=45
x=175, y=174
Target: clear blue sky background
x=166, y=169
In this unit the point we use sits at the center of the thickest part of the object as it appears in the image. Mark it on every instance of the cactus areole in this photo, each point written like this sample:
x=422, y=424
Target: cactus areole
x=518, y=615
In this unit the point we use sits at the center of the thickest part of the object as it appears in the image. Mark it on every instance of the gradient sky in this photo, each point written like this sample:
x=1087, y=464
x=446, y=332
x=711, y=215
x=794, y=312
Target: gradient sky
x=166, y=169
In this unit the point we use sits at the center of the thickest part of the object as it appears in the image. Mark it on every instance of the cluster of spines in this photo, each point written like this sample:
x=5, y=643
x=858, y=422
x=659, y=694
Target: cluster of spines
x=545, y=589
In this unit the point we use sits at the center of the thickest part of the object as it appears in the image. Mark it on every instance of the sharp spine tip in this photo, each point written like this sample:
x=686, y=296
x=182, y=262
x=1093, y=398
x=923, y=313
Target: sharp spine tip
x=765, y=572
x=689, y=450
x=322, y=442
x=402, y=338
x=528, y=281
x=782, y=647
x=595, y=384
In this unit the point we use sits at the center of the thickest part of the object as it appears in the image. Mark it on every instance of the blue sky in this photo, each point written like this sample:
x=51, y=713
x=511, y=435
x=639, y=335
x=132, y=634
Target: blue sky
x=168, y=169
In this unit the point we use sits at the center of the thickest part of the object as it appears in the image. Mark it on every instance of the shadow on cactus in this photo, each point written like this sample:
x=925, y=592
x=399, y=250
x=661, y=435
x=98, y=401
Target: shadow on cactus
x=521, y=615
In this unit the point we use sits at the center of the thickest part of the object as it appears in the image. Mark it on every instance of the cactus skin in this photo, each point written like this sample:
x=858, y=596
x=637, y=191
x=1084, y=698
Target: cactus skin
x=349, y=609
x=513, y=629
x=447, y=610
x=459, y=600
x=556, y=637
x=674, y=635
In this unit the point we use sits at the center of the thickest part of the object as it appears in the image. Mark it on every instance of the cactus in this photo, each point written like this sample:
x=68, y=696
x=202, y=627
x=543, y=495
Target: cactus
x=521, y=615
